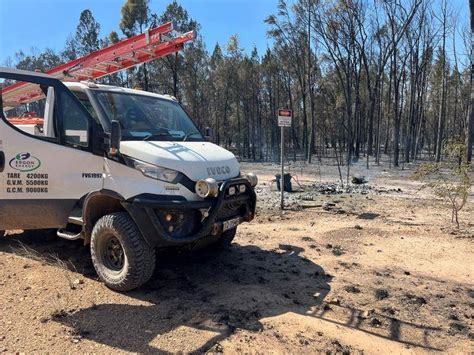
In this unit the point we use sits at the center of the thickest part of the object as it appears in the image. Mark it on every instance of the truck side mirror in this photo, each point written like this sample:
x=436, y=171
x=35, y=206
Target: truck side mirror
x=115, y=137
x=208, y=134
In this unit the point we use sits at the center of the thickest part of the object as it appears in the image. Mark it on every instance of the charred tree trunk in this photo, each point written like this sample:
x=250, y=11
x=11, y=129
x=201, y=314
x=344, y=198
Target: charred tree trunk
x=470, y=123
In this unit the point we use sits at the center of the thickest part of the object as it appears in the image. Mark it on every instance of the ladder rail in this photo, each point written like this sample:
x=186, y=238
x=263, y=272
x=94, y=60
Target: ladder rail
x=153, y=44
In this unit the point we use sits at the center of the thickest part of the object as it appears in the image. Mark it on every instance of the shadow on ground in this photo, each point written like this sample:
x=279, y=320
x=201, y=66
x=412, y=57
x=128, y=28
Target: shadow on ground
x=216, y=292
x=210, y=291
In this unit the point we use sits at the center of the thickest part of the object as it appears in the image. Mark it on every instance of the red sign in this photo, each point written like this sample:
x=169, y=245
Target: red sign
x=285, y=113
x=284, y=117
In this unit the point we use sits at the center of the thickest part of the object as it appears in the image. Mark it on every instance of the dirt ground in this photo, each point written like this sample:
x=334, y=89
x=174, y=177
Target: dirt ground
x=375, y=270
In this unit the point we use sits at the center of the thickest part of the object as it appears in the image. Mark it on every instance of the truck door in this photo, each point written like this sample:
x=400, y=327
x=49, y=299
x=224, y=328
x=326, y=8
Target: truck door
x=45, y=167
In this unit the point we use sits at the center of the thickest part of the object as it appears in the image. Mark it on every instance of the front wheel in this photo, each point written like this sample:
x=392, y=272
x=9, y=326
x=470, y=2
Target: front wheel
x=122, y=258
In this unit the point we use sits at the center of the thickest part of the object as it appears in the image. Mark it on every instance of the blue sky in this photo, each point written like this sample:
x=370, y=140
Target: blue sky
x=47, y=23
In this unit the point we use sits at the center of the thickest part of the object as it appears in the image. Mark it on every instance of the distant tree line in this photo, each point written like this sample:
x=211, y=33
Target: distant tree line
x=363, y=78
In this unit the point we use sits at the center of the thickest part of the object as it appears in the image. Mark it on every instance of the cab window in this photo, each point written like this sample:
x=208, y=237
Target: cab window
x=84, y=100
x=28, y=109
x=48, y=112
x=75, y=122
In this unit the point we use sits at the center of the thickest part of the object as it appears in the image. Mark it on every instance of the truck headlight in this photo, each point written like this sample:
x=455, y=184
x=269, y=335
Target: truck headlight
x=155, y=172
x=207, y=188
x=251, y=178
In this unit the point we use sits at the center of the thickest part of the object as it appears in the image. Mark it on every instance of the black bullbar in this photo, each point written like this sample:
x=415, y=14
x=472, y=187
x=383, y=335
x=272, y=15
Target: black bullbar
x=172, y=220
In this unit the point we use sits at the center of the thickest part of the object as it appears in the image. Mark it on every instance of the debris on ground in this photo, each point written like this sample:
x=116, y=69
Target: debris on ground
x=351, y=289
x=359, y=180
x=381, y=294
x=375, y=322
x=366, y=314
x=328, y=205
x=337, y=250
x=416, y=300
x=285, y=282
x=310, y=195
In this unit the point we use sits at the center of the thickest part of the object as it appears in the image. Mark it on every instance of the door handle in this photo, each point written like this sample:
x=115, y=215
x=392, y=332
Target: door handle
x=2, y=161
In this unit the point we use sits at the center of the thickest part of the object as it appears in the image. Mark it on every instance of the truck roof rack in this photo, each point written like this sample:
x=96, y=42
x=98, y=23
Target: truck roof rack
x=154, y=43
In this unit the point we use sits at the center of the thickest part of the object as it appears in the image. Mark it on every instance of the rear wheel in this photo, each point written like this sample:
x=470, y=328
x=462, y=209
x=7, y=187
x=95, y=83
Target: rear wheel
x=122, y=258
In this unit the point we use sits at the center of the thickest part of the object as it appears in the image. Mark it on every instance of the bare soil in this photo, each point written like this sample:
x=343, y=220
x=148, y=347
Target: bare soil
x=378, y=269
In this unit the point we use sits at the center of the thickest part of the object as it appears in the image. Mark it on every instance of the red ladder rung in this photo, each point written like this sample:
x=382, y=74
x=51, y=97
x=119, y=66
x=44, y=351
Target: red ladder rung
x=153, y=44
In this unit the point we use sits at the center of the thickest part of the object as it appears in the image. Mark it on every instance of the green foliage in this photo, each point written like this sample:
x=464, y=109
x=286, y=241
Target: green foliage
x=170, y=70
x=70, y=50
x=43, y=61
x=135, y=16
x=362, y=78
x=449, y=180
x=114, y=37
x=176, y=13
x=85, y=40
x=87, y=33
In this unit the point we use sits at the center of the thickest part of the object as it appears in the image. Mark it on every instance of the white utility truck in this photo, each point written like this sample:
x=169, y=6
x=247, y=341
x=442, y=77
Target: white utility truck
x=126, y=170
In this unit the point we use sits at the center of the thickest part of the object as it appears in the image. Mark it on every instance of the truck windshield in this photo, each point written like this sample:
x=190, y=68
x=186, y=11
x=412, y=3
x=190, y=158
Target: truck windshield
x=148, y=118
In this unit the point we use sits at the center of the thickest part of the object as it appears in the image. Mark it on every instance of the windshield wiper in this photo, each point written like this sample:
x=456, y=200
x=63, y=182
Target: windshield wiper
x=189, y=135
x=161, y=134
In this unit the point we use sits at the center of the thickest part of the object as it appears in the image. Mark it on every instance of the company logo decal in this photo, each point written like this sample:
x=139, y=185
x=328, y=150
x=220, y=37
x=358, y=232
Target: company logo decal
x=25, y=162
x=218, y=170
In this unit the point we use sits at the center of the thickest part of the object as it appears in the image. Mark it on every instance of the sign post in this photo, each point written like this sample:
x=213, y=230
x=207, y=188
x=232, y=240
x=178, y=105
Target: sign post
x=284, y=120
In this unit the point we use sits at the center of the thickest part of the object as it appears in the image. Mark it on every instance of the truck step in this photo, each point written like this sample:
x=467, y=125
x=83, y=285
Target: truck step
x=69, y=235
x=75, y=217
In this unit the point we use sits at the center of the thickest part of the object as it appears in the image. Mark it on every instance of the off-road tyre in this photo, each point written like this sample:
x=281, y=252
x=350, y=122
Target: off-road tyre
x=137, y=261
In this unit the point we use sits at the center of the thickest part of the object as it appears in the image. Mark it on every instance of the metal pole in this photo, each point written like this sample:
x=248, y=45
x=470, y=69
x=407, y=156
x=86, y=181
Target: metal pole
x=282, y=186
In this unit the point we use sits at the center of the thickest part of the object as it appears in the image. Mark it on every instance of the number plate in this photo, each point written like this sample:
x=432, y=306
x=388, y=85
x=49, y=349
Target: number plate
x=231, y=223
